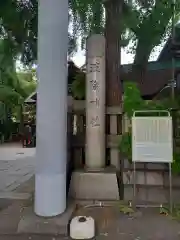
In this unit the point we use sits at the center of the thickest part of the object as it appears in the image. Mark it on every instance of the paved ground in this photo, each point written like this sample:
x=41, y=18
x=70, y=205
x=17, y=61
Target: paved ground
x=16, y=167
x=145, y=224
x=111, y=224
x=31, y=237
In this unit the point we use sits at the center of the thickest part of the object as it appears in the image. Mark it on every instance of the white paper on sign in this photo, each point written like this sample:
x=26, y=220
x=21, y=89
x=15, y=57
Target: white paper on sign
x=152, y=139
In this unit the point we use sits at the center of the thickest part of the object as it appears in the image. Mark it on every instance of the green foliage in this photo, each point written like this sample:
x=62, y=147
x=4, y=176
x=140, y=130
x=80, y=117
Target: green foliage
x=124, y=208
x=153, y=27
x=87, y=17
x=132, y=102
x=14, y=88
x=176, y=162
x=132, y=99
x=78, y=86
x=125, y=145
x=9, y=96
x=145, y=23
x=26, y=83
x=19, y=26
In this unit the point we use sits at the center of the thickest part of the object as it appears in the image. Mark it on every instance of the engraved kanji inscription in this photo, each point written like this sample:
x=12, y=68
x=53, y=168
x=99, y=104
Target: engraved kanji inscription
x=95, y=122
x=94, y=67
x=96, y=101
x=95, y=85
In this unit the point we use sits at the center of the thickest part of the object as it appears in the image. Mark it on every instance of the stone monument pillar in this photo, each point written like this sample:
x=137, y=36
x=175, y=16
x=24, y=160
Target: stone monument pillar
x=95, y=102
x=95, y=182
x=50, y=177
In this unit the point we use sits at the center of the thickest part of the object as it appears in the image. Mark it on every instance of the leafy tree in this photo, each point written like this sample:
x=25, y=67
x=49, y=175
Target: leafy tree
x=146, y=23
x=14, y=88
x=153, y=26
x=8, y=79
x=18, y=23
x=27, y=83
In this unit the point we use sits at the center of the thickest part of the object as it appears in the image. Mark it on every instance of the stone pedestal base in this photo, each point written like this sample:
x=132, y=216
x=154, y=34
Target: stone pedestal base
x=94, y=185
x=31, y=223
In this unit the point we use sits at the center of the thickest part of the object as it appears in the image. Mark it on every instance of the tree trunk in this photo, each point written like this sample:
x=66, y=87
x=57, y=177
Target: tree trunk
x=113, y=62
x=143, y=51
x=113, y=52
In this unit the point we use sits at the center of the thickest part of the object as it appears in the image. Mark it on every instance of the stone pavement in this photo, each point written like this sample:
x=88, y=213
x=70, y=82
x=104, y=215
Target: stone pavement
x=31, y=237
x=16, y=167
x=145, y=224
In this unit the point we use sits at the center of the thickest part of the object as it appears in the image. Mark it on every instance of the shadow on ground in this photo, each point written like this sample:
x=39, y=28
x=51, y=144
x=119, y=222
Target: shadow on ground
x=4, y=203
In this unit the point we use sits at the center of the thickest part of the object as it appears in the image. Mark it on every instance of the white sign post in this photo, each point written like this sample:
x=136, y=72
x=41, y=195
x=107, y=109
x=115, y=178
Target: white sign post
x=152, y=140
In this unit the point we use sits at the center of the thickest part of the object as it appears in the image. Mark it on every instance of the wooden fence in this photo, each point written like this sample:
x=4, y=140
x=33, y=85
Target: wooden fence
x=76, y=109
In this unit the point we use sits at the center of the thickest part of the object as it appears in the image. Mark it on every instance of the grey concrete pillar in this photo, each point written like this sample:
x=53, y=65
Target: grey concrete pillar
x=50, y=183
x=95, y=102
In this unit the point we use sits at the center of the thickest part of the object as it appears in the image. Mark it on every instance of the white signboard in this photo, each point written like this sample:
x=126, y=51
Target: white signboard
x=152, y=139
